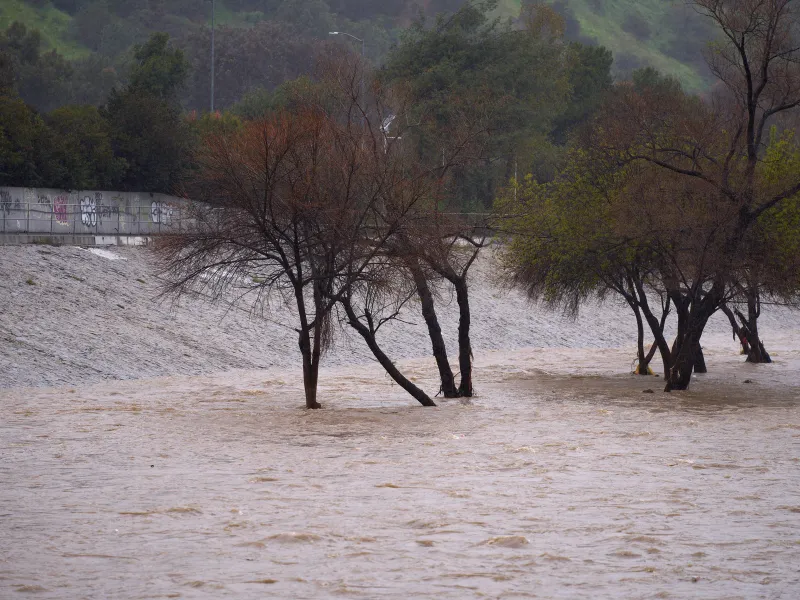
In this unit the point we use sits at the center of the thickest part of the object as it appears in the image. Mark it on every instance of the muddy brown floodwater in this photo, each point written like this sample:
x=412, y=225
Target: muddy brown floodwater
x=560, y=480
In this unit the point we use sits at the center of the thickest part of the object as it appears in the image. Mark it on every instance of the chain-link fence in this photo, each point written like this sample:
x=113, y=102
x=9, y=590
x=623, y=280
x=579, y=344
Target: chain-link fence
x=53, y=212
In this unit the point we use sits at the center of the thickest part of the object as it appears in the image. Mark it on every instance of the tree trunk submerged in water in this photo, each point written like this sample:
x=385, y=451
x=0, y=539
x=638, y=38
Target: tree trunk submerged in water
x=464, y=344
x=434, y=331
x=686, y=352
x=699, y=360
x=738, y=332
x=656, y=325
x=310, y=369
x=680, y=373
x=756, y=353
x=310, y=350
x=643, y=359
x=368, y=333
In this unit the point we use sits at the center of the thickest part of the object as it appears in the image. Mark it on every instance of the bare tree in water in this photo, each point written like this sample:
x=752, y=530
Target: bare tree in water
x=302, y=206
x=443, y=247
x=267, y=227
x=285, y=203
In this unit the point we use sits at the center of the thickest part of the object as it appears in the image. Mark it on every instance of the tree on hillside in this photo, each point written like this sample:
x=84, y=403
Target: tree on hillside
x=147, y=128
x=261, y=101
x=160, y=70
x=467, y=57
x=7, y=74
x=589, y=77
x=42, y=79
x=24, y=144
x=91, y=21
x=263, y=56
x=82, y=146
x=93, y=79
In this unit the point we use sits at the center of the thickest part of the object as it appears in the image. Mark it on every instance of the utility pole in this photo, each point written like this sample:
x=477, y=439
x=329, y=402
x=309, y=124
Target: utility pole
x=212, y=54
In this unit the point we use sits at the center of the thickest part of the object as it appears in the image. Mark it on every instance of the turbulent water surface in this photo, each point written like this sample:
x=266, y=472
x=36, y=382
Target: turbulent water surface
x=562, y=479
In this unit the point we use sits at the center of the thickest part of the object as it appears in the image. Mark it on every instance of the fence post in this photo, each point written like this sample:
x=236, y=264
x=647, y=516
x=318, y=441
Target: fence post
x=27, y=217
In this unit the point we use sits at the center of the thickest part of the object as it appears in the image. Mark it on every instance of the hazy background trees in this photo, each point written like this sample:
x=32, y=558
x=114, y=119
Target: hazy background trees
x=540, y=86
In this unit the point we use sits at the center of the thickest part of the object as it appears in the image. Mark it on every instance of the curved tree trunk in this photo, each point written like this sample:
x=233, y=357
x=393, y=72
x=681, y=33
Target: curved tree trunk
x=369, y=337
x=738, y=332
x=757, y=352
x=699, y=360
x=464, y=344
x=434, y=331
x=643, y=359
x=656, y=326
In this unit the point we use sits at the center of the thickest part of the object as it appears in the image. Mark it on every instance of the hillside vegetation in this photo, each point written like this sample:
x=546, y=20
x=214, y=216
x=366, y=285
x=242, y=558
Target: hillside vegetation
x=667, y=35
x=664, y=34
x=52, y=24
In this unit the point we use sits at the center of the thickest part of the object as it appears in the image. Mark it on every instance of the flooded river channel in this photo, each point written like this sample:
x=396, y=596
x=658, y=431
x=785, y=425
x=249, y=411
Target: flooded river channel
x=557, y=481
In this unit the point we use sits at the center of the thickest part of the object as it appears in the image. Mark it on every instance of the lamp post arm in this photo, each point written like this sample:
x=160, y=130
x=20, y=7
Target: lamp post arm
x=350, y=35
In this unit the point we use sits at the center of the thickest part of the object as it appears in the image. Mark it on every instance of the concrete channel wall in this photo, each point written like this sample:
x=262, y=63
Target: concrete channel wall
x=87, y=217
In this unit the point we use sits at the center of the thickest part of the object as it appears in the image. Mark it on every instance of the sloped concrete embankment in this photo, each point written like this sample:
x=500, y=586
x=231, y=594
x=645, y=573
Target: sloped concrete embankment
x=73, y=316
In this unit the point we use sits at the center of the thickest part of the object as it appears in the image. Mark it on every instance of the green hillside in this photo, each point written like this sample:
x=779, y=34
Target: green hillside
x=52, y=23
x=664, y=34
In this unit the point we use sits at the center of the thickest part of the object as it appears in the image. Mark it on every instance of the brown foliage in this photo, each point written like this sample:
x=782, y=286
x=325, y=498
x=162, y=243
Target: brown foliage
x=304, y=206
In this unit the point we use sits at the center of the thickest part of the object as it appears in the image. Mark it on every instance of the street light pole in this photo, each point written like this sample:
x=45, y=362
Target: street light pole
x=212, y=55
x=358, y=39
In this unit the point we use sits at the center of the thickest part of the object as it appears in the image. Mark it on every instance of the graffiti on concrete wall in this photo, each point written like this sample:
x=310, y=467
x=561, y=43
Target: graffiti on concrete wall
x=134, y=201
x=88, y=207
x=60, y=203
x=161, y=213
x=105, y=211
x=119, y=204
x=5, y=202
x=44, y=210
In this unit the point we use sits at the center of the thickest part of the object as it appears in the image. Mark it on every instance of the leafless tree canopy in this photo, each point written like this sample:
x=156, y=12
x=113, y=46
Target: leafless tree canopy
x=304, y=205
